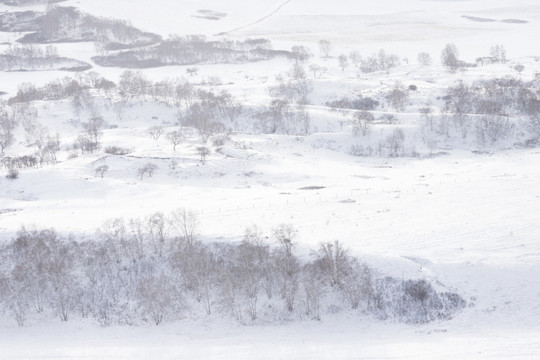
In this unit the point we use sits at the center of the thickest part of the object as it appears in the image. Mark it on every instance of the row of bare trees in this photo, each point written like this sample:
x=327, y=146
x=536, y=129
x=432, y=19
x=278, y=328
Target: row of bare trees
x=157, y=269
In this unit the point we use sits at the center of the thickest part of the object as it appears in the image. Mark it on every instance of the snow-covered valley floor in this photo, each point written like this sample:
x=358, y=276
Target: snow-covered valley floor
x=462, y=215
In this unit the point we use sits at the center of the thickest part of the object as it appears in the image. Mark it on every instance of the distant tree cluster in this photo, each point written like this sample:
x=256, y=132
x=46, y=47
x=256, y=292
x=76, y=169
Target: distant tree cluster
x=30, y=57
x=192, y=49
x=67, y=24
x=155, y=270
x=491, y=110
x=381, y=61
x=29, y=2
x=286, y=113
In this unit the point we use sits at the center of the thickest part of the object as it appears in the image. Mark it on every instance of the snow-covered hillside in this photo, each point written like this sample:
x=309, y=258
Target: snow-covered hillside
x=288, y=112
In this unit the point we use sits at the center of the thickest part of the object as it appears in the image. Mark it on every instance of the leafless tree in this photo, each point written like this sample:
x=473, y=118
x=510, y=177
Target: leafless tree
x=343, y=61
x=395, y=142
x=7, y=126
x=192, y=71
x=357, y=285
x=203, y=152
x=101, y=170
x=492, y=128
x=325, y=46
x=427, y=116
x=300, y=54
x=519, y=68
x=314, y=288
x=361, y=122
x=397, y=97
x=334, y=261
x=147, y=169
x=186, y=223
x=175, y=138
x=498, y=53
x=355, y=58
x=285, y=235
x=317, y=70
x=157, y=227
x=450, y=57
x=424, y=59
x=155, y=131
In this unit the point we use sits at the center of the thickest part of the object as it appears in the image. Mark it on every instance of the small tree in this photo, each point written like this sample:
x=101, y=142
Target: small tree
x=7, y=125
x=155, y=131
x=175, y=138
x=203, y=152
x=192, y=71
x=397, y=97
x=450, y=57
x=186, y=223
x=285, y=234
x=519, y=68
x=148, y=168
x=13, y=173
x=101, y=170
x=361, y=122
x=317, y=70
x=498, y=53
x=427, y=115
x=300, y=54
x=343, y=61
x=355, y=58
x=424, y=59
x=325, y=47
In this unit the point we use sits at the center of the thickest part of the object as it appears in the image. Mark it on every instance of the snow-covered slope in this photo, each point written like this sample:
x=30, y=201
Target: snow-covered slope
x=464, y=219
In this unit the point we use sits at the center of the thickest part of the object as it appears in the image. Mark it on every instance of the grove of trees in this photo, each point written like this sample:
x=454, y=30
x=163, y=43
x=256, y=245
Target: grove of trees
x=156, y=270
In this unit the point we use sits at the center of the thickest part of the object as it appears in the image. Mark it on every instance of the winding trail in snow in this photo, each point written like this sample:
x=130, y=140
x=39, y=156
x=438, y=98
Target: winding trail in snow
x=255, y=22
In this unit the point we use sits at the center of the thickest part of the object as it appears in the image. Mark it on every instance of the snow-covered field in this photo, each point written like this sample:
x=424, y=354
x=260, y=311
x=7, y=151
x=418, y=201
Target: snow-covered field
x=463, y=218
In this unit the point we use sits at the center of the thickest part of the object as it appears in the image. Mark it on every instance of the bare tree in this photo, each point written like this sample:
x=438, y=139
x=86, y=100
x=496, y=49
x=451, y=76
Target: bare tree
x=498, y=53
x=424, y=59
x=492, y=128
x=343, y=61
x=7, y=126
x=313, y=285
x=361, y=122
x=325, y=47
x=186, y=223
x=357, y=285
x=101, y=170
x=317, y=70
x=395, y=142
x=355, y=58
x=175, y=138
x=450, y=57
x=285, y=234
x=92, y=133
x=157, y=230
x=334, y=261
x=148, y=168
x=397, y=97
x=203, y=152
x=427, y=115
x=155, y=131
x=300, y=54
x=192, y=71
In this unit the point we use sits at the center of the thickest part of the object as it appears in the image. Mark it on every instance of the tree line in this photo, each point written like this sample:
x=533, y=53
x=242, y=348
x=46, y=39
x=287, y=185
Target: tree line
x=157, y=269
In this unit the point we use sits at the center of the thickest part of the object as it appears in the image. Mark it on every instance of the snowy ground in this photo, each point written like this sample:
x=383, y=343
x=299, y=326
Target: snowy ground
x=469, y=221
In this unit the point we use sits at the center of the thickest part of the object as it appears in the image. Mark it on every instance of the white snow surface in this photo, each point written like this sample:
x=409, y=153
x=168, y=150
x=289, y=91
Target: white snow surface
x=469, y=221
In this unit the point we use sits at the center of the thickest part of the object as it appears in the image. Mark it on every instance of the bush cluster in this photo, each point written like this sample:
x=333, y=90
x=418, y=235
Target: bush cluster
x=155, y=270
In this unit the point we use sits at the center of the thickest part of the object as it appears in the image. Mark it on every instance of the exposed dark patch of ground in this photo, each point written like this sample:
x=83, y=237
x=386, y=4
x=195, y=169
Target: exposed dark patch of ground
x=514, y=21
x=209, y=15
x=478, y=19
